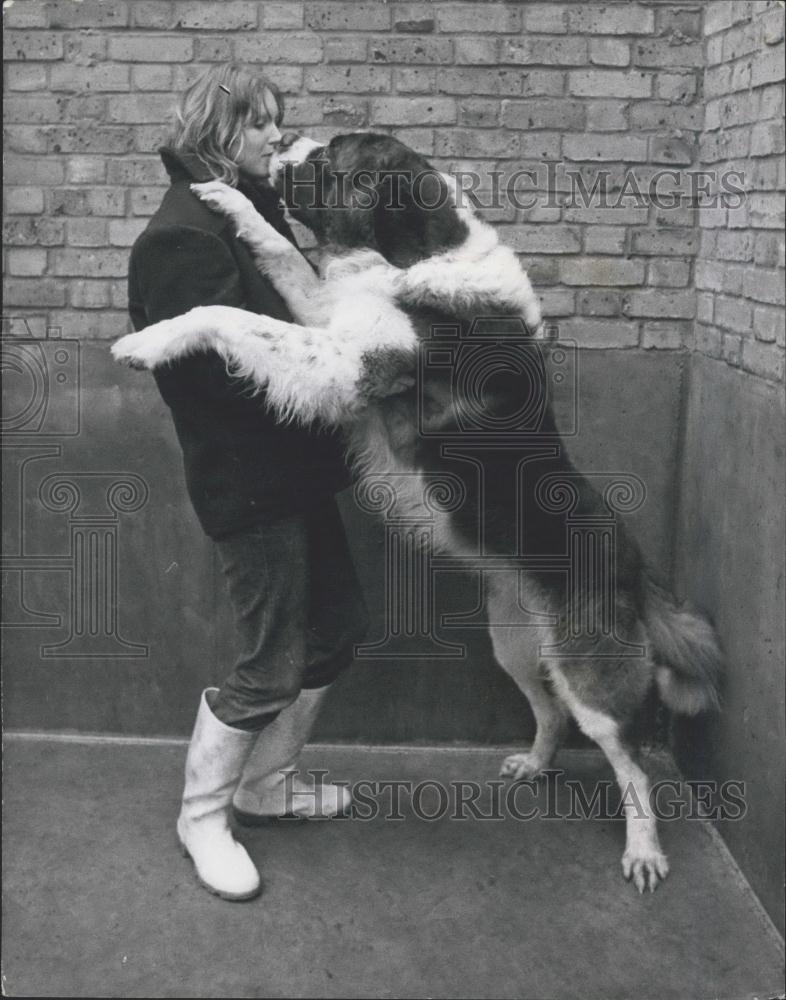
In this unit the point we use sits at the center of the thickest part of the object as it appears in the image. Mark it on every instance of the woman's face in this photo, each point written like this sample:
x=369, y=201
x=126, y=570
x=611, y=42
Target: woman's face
x=258, y=143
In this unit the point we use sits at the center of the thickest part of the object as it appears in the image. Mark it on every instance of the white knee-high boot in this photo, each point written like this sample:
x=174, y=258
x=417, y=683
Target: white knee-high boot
x=216, y=756
x=265, y=789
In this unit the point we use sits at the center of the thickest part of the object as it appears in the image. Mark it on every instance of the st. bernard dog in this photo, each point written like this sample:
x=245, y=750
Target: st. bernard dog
x=403, y=261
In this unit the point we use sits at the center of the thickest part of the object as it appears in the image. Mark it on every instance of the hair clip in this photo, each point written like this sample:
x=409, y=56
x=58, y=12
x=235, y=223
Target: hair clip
x=225, y=89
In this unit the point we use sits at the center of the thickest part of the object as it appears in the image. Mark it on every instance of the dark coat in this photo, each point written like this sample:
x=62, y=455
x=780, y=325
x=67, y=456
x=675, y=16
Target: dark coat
x=241, y=467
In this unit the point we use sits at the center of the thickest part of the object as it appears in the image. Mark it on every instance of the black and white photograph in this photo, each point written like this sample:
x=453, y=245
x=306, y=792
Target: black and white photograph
x=393, y=443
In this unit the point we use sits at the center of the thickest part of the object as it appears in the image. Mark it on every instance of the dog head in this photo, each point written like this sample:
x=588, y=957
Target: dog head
x=365, y=190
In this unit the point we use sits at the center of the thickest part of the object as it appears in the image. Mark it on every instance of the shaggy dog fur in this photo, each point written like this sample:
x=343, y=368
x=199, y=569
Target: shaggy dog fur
x=393, y=271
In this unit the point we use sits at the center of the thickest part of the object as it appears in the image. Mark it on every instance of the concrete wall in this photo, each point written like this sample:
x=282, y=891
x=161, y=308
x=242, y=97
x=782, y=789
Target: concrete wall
x=731, y=520
x=173, y=614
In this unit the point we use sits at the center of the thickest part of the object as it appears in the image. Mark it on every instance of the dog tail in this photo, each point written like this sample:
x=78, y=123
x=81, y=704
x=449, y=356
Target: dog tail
x=688, y=656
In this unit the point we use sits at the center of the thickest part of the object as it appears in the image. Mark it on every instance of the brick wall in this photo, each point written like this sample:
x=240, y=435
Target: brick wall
x=740, y=264
x=478, y=87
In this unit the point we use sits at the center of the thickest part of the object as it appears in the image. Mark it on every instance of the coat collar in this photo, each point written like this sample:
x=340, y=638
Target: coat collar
x=184, y=166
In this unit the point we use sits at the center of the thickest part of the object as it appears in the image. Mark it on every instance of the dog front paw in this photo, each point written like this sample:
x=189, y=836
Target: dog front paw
x=146, y=349
x=224, y=199
x=385, y=372
x=646, y=868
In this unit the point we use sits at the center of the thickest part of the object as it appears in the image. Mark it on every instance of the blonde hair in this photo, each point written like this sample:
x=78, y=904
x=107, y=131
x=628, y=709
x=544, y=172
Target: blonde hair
x=214, y=111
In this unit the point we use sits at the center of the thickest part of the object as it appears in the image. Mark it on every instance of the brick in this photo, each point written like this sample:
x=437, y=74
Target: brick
x=478, y=17
x=555, y=302
x=672, y=242
x=505, y=82
x=609, y=52
x=413, y=111
x=153, y=14
x=86, y=232
x=32, y=45
x=86, y=170
x=486, y=143
x=664, y=335
x=24, y=200
x=671, y=149
x=772, y=27
x=768, y=67
x=679, y=88
x=733, y=314
x=87, y=14
x=416, y=80
x=542, y=18
x=150, y=48
x=419, y=139
x=89, y=294
x=606, y=116
x=609, y=83
x=77, y=79
x=741, y=41
x=549, y=114
x=95, y=263
x=621, y=19
x=479, y=112
x=705, y=306
x=36, y=292
x=30, y=109
x=769, y=325
x=542, y=239
x=767, y=138
x=731, y=144
x=91, y=325
x=769, y=249
x=716, y=81
x=588, y=146
x=146, y=200
x=660, y=302
x=429, y=51
x=32, y=170
x=291, y=47
x=678, y=24
x=87, y=201
x=601, y=271
x=471, y=51
x=130, y=108
x=766, y=210
x=25, y=262
x=604, y=239
x=230, y=15
x=599, y=302
x=660, y=53
x=349, y=79
x=119, y=294
x=154, y=76
x=89, y=139
x=548, y=51
x=83, y=107
x=718, y=17
x=622, y=215
x=26, y=231
x=764, y=286
x=734, y=245
x=123, y=232
x=329, y=16
x=25, y=138
x=26, y=76
x=345, y=113
x=600, y=333
x=764, y=360
x=770, y=102
x=212, y=48
x=346, y=49
x=283, y=16
x=25, y=15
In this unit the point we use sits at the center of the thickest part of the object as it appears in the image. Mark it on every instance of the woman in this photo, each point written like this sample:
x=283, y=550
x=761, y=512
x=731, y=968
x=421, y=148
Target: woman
x=263, y=492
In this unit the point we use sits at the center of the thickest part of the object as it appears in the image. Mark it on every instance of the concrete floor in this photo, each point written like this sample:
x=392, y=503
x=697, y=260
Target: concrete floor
x=98, y=901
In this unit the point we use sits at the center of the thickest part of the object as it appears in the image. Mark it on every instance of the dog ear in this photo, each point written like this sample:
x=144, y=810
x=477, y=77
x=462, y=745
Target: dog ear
x=414, y=216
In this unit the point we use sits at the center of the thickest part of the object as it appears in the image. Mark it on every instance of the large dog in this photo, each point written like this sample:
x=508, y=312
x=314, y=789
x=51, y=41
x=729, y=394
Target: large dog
x=408, y=271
